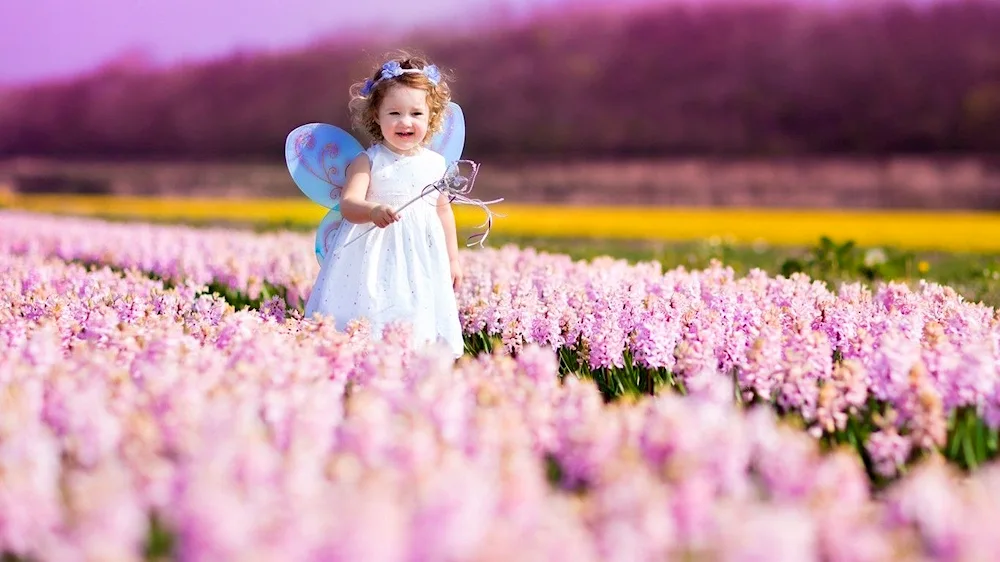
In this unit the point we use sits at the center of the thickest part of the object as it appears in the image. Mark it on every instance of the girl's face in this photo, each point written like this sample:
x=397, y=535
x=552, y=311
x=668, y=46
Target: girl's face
x=403, y=118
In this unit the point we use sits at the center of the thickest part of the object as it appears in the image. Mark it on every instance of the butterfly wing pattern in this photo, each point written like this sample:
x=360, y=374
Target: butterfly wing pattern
x=317, y=156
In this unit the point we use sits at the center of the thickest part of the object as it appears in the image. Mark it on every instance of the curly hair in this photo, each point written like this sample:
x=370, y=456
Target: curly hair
x=364, y=109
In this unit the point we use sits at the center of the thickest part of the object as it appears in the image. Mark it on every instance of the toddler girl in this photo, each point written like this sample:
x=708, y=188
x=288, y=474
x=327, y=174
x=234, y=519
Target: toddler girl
x=406, y=269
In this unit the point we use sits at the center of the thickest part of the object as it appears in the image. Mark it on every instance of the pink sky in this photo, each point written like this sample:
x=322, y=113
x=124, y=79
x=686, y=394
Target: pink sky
x=42, y=39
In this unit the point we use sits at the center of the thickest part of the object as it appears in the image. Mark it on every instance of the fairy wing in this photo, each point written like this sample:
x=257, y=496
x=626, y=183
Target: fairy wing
x=325, y=231
x=450, y=141
x=317, y=155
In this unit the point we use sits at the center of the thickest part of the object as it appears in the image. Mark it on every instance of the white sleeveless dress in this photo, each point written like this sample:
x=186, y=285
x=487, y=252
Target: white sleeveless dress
x=397, y=273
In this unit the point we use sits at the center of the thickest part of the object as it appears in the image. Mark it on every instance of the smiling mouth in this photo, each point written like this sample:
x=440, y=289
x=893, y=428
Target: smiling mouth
x=404, y=135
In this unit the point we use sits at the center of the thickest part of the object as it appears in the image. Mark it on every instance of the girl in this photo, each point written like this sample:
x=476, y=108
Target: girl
x=406, y=269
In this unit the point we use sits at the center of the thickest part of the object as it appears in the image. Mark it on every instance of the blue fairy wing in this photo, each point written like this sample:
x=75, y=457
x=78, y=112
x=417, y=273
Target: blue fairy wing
x=450, y=141
x=317, y=156
x=325, y=232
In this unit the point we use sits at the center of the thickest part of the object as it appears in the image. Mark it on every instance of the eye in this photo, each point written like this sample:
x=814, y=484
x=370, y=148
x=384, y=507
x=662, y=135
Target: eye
x=393, y=113
x=418, y=113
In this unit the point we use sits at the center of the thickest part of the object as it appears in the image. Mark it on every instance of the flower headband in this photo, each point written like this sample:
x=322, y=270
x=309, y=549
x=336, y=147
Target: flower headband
x=392, y=69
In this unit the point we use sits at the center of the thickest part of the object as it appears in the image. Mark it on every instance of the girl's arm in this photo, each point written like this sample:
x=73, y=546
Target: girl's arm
x=353, y=205
x=447, y=217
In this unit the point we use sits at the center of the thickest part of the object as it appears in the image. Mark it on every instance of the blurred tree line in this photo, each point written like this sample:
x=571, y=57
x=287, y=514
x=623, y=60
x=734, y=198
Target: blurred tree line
x=767, y=79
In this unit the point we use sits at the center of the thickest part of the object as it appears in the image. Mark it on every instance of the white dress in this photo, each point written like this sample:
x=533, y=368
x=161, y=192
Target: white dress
x=397, y=273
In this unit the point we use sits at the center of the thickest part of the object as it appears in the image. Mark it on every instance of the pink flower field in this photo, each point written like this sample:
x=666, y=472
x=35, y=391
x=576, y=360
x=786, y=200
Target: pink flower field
x=161, y=397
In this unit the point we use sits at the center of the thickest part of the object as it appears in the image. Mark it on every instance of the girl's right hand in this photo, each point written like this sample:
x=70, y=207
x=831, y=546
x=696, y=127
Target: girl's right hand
x=382, y=216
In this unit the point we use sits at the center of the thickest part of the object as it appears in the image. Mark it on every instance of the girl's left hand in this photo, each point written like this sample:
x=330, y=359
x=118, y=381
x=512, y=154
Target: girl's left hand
x=456, y=273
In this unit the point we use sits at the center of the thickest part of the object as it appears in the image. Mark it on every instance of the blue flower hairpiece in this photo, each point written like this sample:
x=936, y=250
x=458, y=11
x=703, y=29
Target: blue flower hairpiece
x=393, y=69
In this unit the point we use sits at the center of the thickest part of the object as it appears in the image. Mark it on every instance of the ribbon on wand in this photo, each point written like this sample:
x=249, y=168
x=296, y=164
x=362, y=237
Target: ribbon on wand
x=456, y=184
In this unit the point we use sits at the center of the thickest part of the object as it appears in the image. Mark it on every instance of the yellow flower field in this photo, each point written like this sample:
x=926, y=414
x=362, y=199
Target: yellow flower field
x=951, y=231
